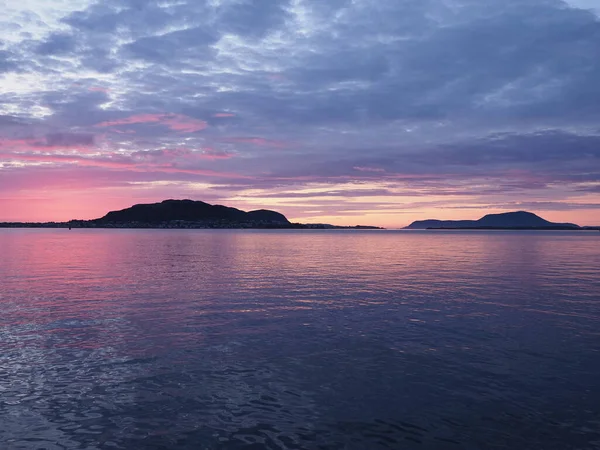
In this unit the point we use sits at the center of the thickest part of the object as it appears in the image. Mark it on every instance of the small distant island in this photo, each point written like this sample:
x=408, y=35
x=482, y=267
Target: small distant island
x=183, y=214
x=517, y=220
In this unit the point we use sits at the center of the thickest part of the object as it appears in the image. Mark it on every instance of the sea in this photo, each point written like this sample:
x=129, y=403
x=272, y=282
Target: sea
x=299, y=339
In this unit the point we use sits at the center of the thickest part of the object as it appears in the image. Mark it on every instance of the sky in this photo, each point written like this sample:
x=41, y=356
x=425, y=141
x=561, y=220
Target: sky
x=339, y=111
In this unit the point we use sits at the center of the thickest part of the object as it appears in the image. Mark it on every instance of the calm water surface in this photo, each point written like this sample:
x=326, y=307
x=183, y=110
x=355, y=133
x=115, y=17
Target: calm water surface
x=194, y=339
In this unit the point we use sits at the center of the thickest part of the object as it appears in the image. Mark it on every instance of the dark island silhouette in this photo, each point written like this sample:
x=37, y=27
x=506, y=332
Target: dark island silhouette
x=183, y=214
x=517, y=220
x=198, y=214
x=192, y=212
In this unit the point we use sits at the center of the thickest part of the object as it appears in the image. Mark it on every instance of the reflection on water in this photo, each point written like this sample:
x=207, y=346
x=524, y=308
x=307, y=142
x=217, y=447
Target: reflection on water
x=189, y=339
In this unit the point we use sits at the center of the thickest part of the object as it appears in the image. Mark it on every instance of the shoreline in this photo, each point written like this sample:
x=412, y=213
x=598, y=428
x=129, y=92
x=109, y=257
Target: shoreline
x=183, y=226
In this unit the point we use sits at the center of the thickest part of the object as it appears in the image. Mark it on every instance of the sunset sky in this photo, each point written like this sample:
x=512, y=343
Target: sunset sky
x=375, y=112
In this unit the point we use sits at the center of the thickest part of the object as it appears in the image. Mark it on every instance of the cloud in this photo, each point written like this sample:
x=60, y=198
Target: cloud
x=7, y=62
x=54, y=142
x=484, y=100
x=548, y=206
x=212, y=154
x=176, y=122
x=258, y=141
x=192, y=42
x=186, y=155
x=69, y=140
x=116, y=161
x=253, y=18
x=369, y=169
x=57, y=44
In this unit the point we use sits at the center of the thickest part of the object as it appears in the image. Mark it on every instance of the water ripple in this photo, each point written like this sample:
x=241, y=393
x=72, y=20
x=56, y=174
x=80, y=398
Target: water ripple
x=188, y=339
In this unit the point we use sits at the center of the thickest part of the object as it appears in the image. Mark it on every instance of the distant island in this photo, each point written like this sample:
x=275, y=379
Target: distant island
x=517, y=220
x=183, y=214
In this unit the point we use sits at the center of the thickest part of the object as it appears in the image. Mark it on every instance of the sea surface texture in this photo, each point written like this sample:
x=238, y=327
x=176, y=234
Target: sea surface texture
x=225, y=339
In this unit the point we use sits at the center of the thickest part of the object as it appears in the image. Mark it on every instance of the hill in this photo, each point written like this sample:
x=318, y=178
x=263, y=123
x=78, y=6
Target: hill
x=184, y=214
x=192, y=212
x=509, y=220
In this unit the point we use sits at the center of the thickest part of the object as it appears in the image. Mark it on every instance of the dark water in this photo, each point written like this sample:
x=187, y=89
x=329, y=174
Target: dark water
x=130, y=339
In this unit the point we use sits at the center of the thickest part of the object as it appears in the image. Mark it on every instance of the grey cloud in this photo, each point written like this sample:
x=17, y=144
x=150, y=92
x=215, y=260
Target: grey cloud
x=99, y=59
x=550, y=153
x=328, y=193
x=7, y=61
x=69, y=139
x=253, y=18
x=11, y=121
x=521, y=58
x=167, y=31
x=98, y=18
x=512, y=161
x=592, y=189
x=57, y=44
x=189, y=43
x=133, y=19
x=77, y=106
x=518, y=61
x=345, y=65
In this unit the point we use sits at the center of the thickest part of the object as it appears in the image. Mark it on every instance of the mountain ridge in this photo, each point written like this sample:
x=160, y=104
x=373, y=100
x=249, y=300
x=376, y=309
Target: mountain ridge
x=190, y=211
x=507, y=220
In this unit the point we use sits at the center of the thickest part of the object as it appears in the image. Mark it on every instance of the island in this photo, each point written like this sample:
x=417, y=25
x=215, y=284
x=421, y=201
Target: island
x=516, y=220
x=184, y=214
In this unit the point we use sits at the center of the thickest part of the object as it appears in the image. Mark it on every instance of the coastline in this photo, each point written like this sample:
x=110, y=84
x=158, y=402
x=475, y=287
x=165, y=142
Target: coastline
x=175, y=225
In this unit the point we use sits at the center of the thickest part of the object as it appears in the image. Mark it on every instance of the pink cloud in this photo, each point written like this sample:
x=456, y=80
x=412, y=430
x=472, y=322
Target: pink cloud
x=98, y=89
x=135, y=163
x=58, y=148
x=181, y=154
x=176, y=122
x=123, y=131
x=139, y=118
x=80, y=160
x=41, y=179
x=185, y=124
x=212, y=154
x=368, y=169
x=224, y=115
x=49, y=144
x=206, y=172
x=18, y=144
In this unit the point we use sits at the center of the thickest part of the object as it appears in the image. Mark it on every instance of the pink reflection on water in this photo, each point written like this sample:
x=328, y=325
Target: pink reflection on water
x=161, y=289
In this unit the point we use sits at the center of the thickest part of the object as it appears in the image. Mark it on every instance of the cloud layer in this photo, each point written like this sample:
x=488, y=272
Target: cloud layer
x=344, y=111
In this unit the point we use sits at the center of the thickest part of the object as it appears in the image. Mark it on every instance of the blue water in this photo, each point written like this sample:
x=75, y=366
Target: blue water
x=224, y=339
